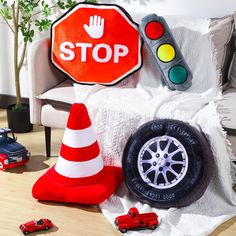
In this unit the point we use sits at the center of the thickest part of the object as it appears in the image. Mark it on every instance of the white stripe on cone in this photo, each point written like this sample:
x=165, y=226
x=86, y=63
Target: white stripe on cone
x=79, y=138
x=72, y=169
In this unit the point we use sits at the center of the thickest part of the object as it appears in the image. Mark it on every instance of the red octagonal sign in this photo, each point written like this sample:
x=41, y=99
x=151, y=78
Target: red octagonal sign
x=96, y=44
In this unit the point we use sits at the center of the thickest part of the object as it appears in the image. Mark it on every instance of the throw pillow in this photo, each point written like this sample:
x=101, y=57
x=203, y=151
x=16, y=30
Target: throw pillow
x=96, y=44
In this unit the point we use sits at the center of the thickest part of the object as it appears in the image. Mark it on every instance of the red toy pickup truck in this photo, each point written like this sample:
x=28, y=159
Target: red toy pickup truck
x=134, y=220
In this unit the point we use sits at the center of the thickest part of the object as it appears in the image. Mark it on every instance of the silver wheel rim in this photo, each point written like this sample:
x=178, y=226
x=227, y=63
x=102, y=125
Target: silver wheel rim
x=162, y=162
x=1, y=165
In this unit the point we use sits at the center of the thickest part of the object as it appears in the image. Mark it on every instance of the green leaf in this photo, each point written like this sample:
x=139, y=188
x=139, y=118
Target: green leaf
x=70, y=4
x=61, y=5
x=43, y=24
x=9, y=17
x=27, y=9
x=32, y=33
x=4, y=2
x=5, y=13
x=23, y=29
x=46, y=11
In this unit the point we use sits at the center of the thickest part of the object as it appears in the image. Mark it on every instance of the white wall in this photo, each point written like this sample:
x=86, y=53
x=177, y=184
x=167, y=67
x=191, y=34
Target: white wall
x=204, y=8
x=5, y=68
x=6, y=64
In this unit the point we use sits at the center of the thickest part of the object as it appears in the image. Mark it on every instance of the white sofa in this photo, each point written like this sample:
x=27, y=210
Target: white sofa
x=51, y=94
x=43, y=77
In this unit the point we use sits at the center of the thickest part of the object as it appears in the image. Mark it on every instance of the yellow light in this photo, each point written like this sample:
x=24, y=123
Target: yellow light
x=166, y=52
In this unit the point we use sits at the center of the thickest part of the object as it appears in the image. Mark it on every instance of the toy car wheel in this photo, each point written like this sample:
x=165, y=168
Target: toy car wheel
x=167, y=163
x=26, y=232
x=116, y=222
x=46, y=228
x=2, y=166
x=124, y=230
x=153, y=227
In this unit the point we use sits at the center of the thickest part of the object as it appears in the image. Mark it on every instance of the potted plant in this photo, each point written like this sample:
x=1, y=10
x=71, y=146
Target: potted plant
x=22, y=17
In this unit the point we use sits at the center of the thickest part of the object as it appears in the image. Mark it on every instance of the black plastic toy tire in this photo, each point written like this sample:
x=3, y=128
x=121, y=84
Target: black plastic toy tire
x=159, y=178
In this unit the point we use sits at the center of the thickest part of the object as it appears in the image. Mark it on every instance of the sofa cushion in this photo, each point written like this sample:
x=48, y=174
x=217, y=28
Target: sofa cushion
x=221, y=31
x=227, y=110
x=48, y=120
x=61, y=96
x=232, y=72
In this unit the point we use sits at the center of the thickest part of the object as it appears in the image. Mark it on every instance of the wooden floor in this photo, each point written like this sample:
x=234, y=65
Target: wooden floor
x=17, y=205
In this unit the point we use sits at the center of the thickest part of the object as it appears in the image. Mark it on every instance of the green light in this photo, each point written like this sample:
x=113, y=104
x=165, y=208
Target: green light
x=178, y=74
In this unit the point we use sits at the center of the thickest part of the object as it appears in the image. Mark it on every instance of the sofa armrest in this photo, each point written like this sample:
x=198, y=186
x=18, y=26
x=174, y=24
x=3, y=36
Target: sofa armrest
x=41, y=74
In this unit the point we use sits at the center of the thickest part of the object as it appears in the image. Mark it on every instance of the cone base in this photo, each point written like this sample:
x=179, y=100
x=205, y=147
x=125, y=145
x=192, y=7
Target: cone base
x=49, y=188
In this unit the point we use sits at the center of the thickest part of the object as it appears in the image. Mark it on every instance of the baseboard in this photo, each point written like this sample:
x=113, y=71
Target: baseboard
x=6, y=100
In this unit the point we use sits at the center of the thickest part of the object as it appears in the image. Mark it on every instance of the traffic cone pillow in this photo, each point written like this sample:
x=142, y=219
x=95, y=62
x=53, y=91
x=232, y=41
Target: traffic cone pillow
x=79, y=175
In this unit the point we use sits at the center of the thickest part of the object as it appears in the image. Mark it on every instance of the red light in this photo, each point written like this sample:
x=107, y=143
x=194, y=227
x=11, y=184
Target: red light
x=154, y=30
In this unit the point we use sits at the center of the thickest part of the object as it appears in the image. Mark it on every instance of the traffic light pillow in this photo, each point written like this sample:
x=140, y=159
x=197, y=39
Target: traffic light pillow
x=165, y=52
x=96, y=44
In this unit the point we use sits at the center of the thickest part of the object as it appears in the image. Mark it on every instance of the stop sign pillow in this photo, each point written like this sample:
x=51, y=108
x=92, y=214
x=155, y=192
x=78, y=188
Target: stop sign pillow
x=96, y=44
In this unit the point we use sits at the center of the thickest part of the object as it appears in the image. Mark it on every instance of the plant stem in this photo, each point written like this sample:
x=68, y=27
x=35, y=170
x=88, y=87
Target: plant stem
x=22, y=56
x=23, y=51
x=15, y=9
x=8, y=24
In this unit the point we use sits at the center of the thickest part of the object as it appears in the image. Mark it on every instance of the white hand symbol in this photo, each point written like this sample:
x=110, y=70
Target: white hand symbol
x=96, y=27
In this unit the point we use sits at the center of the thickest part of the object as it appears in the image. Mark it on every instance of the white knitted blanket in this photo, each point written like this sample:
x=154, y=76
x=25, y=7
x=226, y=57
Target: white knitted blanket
x=118, y=111
x=217, y=205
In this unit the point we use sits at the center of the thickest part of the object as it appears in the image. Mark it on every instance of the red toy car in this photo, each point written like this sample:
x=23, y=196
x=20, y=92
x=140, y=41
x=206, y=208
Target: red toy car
x=134, y=220
x=32, y=226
